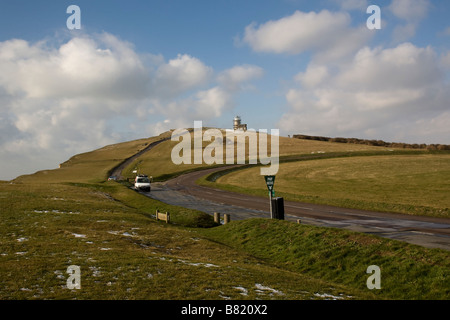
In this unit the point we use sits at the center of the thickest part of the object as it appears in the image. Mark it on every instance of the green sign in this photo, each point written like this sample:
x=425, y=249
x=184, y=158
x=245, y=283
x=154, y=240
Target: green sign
x=270, y=181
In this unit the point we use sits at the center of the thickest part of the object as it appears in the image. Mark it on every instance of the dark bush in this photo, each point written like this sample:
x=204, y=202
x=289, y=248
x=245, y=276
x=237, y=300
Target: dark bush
x=373, y=142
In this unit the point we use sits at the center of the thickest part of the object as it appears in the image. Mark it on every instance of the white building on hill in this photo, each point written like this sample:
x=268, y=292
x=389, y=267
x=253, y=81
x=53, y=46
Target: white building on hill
x=237, y=125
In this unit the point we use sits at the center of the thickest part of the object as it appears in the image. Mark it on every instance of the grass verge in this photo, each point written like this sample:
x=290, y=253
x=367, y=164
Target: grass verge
x=342, y=257
x=412, y=184
x=123, y=253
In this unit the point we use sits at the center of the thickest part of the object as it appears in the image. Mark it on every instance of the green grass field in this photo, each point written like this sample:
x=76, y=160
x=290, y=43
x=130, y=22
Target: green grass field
x=123, y=253
x=159, y=165
x=411, y=184
x=91, y=166
x=342, y=257
x=73, y=216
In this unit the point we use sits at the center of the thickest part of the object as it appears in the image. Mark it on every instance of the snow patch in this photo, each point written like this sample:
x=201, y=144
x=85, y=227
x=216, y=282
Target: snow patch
x=260, y=288
x=56, y=211
x=199, y=264
x=76, y=235
x=328, y=296
x=244, y=291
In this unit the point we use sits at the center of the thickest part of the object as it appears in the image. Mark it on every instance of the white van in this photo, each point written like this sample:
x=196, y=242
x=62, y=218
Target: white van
x=142, y=183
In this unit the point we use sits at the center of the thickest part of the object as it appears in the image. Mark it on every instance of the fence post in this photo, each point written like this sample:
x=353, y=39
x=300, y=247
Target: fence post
x=226, y=218
x=167, y=217
x=217, y=217
x=157, y=218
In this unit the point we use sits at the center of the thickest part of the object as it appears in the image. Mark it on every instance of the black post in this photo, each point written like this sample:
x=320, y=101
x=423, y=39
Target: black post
x=278, y=208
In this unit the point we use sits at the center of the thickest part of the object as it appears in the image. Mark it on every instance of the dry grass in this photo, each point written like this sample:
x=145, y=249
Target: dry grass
x=91, y=166
x=71, y=216
x=159, y=164
x=416, y=184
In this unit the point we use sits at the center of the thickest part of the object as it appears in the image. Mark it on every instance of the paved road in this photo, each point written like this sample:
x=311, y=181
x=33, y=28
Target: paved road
x=117, y=171
x=426, y=231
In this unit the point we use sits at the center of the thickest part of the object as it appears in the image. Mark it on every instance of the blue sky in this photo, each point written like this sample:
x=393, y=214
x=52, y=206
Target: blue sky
x=138, y=68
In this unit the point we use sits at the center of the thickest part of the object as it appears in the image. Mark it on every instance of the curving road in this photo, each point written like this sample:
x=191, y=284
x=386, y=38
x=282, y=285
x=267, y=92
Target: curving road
x=117, y=171
x=426, y=231
x=183, y=191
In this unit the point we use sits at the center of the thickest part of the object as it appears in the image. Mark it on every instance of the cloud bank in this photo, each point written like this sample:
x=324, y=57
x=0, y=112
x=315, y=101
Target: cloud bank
x=59, y=97
x=89, y=91
x=351, y=89
x=398, y=93
x=327, y=35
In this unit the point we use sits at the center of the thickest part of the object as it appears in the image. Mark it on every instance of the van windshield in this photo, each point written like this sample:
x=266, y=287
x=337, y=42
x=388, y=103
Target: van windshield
x=143, y=180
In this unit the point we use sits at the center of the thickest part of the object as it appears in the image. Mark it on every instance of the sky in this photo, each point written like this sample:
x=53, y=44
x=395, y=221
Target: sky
x=138, y=68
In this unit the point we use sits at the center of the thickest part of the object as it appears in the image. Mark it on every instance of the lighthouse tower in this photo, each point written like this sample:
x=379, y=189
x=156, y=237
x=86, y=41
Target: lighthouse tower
x=237, y=125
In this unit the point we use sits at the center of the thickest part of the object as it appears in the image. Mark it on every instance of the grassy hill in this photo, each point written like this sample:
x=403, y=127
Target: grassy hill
x=410, y=183
x=91, y=166
x=159, y=165
x=72, y=216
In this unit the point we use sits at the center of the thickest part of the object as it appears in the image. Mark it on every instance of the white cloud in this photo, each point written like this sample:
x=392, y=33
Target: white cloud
x=402, y=33
x=211, y=103
x=313, y=76
x=238, y=76
x=327, y=34
x=57, y=101
x=181, y=74
x=445, y=60
x=392, y=94
x=93, y=90
x=412, y=12
x=405, y=66
x=203, y=105
x=207, y=104
x=78, y=68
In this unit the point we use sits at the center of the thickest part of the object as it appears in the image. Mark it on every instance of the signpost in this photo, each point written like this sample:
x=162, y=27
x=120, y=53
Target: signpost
x=270, y=181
